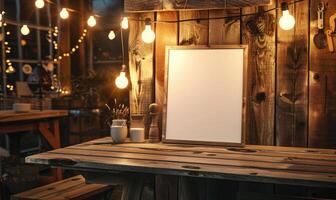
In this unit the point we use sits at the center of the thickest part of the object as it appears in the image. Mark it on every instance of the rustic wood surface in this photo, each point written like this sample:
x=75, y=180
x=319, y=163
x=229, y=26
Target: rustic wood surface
x=259, y=34
x=169, y=5
x=308, y=167
x=322, y=85
x=70, y=189
x=292, y=80
x=11, y=116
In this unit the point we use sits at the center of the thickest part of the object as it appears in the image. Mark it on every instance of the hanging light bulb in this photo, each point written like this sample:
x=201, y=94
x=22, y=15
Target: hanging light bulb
x=39, y=3
x=111, y=35
x=286, y=21
x=124, y=23
x=91, y=21
x=25, y=30
x=64, y=14
x=148, y=36
x=122, y=81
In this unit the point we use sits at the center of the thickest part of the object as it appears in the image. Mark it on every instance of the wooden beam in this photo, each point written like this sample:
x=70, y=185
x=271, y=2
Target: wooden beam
x=156, y=5
x=292, y=79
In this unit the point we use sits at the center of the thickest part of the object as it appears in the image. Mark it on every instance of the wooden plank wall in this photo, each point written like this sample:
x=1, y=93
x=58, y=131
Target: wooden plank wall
x=292, y=87
x=291, y=83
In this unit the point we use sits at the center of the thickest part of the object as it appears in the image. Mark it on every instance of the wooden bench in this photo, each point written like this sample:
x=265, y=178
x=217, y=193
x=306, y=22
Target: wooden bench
x=73, y=188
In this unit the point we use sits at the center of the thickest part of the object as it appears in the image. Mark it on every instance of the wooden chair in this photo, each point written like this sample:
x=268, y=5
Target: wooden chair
x=73, y=188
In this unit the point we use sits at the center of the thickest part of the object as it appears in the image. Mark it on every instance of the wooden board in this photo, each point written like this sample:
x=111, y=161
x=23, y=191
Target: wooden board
x=322, y=91
x=292, y=80
x=166, y=34
x=260, y=123
x=169, y=5
x=11, y=116
x=199, y=161
x=71, y=188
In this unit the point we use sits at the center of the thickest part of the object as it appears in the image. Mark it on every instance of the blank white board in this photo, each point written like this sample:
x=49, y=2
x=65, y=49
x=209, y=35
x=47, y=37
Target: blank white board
x=205, y=91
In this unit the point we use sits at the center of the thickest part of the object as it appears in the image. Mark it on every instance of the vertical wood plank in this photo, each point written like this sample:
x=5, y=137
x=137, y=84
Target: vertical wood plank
x=193, y=32
x=322, y=85
x=292, y=79
x=258, y=33
x=224, y=31
x=140, y=65
x=166, y=34
x=166, y=187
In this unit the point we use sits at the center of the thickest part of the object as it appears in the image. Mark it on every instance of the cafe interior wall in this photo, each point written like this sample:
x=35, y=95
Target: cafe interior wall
x=291, y=83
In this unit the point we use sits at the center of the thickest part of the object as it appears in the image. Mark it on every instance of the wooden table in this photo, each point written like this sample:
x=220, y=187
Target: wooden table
x=46, y=122
x=266, y=164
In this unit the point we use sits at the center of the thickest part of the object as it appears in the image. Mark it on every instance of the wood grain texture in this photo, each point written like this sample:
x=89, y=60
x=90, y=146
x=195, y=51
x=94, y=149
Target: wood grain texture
x=292, y=80
x=224, y=31
x=322, y=91
x=193, y=32
x=259, y=34
x=11, y=116
x=71, y=188
x=140, y=65
x=102, y=156
x=169, y=5
x=166, y=34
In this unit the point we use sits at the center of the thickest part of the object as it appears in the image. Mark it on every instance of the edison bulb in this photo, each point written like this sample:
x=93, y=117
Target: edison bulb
x=25, y=30
x=121, y=81
x=286, y=21
x=124, y=23
x=39, y=3
x=64, y=14
x=148, y=36
x=92, y=21
x=111, y=35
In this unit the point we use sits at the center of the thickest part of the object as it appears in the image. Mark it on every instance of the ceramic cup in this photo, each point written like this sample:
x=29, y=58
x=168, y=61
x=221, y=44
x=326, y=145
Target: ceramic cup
x=137, y=134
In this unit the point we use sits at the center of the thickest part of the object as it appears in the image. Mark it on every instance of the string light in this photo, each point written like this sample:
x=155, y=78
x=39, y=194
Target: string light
x=39, y=3
x=122, y=81
x=64, y=14
x=287, y=21
x=124, y=23
x=111, y=35
x=25, y=30
x=91, y=21
x=148, y=36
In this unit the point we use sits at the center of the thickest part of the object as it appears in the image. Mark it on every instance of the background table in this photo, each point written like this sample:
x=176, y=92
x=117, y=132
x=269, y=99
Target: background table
x=266, y=164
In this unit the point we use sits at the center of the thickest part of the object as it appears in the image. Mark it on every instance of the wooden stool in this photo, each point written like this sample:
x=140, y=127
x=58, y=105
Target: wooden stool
x=67, y=189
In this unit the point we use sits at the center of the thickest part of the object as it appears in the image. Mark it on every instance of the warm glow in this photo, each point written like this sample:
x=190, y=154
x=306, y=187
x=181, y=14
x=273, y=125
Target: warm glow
x=64, y=14
x=25, y=30
x=92, y=21
x=111, y=35
x=121, y=81
x=286, y=21
x=39, y=3
x=148, y=36
x=124, y=23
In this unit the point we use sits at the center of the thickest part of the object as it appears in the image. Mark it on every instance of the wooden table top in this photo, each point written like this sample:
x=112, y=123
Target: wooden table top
x=12, y=116
x=269, y=164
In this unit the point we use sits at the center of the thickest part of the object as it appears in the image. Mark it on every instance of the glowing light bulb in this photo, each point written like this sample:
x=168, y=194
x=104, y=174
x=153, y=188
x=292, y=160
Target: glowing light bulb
x=39, y=3
x=124, y=23
x=286, y=21
x=148, y=36
x=64, y=14
x=121, y=81
x=111, y=35
x=91, y=21
x=25, y=30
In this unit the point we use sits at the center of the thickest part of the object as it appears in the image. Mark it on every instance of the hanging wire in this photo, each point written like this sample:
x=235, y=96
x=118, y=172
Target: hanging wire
x=122, y=45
